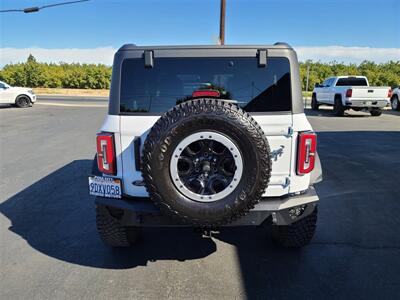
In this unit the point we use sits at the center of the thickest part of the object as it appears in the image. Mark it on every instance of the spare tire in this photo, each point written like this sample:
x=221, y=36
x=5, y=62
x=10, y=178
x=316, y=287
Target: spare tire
x=206, y=161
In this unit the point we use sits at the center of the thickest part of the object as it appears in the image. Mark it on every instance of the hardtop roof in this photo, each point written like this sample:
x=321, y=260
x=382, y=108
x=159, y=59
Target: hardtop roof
x=131, y=47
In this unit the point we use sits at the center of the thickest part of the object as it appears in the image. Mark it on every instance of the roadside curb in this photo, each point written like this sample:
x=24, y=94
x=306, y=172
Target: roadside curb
x=70, y=105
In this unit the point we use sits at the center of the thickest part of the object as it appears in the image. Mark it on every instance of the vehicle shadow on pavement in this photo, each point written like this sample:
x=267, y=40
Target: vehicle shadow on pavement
x=355, y=253
x=56, y=216
x=328, y=112
x=391, y=112
x=3, y=106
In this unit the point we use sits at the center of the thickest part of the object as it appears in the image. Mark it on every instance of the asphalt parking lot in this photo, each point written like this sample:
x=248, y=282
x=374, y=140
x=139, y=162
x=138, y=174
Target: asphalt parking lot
x=50, y=248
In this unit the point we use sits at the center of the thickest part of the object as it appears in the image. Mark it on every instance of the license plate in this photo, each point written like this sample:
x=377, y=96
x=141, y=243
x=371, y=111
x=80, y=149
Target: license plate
x=105, y=187
x=368, y=102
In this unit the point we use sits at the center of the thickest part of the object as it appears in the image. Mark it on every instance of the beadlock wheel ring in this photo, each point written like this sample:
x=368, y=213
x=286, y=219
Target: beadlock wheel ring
x=205, y=166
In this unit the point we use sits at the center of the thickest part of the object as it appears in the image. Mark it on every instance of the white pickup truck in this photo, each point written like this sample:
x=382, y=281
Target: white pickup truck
x=395, y=100
x=350, y=92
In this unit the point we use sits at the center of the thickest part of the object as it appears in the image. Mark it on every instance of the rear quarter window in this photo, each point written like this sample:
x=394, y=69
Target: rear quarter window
x=173, y=80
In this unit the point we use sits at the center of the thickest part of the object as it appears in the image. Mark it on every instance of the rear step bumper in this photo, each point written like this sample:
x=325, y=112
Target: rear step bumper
x=143, y=212
x=367, y=103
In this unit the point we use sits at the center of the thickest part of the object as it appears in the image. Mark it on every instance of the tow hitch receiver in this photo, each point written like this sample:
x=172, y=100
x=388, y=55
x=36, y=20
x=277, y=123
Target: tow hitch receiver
x=209, y=233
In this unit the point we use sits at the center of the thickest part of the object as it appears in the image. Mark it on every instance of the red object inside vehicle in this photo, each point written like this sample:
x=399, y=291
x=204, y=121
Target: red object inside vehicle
x=206, y=93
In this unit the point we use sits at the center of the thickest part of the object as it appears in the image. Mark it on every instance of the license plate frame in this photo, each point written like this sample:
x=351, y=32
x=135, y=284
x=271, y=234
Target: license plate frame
x=105, y=187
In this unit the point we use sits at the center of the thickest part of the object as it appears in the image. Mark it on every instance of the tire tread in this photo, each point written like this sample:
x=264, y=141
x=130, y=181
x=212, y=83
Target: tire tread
x=242, y=119
x=111, y=232
x=298, y=234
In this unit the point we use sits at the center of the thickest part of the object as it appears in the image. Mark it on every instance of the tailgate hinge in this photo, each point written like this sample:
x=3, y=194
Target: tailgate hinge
x=286, y=183
x=209, y=233
x=289, y=132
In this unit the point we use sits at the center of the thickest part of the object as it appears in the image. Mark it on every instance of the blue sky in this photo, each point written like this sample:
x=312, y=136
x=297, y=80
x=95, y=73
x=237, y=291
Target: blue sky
x=109, y=24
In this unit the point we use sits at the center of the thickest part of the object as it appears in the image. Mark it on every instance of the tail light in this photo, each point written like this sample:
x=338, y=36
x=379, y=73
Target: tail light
x=307, y=146
x=390, y=93
x=106, y=153
x=349, y=93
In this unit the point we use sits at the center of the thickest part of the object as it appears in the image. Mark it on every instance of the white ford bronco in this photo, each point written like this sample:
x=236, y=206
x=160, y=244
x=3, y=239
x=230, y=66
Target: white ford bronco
x=206, y=136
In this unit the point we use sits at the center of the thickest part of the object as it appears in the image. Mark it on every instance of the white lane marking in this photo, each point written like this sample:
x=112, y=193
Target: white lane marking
x=70, y=105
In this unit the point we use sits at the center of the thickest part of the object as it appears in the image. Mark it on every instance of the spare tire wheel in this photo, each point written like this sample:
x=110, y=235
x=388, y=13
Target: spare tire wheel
x=206, y=161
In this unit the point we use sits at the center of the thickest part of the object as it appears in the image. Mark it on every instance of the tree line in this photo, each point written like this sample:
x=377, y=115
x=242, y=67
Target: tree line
x=384, y=74
x=63, y=75
x=92, y=76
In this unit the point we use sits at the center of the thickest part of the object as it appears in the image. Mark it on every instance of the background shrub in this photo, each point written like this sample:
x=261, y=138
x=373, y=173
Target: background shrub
x=92, y=76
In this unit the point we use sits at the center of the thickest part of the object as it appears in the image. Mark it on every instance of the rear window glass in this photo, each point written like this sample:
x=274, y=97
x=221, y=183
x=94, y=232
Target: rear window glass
x=351, y=81
x=173, y=80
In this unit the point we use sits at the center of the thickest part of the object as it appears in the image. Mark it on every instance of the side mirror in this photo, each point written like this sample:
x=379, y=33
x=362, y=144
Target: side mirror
x=317, y=85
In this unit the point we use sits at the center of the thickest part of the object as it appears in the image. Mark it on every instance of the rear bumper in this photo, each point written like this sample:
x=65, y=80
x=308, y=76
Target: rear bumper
x=381, y=103
x=143, y=212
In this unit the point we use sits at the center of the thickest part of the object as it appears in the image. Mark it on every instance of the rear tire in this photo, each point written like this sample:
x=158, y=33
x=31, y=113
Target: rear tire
x=298, y=234
x=376, y=112
x=338, y=108
x=111, y=232
x=23, y=101
x=395, y=103
x=314, y=103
